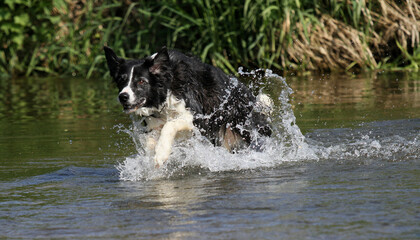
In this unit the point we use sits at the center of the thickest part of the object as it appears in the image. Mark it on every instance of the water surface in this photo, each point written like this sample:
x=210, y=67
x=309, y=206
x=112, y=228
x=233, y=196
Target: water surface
x=344, y=164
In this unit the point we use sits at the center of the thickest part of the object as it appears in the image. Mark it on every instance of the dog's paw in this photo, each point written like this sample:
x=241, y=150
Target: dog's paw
x=159, y=160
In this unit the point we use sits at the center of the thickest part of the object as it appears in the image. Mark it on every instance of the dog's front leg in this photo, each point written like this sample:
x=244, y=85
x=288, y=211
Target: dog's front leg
x=167, y=136
x=151, y=141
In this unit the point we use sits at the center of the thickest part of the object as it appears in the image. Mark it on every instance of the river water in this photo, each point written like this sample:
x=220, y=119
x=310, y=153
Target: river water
x=344, y=163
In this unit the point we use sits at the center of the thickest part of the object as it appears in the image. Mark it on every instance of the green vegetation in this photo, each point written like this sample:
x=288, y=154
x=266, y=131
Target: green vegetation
x=64, y=37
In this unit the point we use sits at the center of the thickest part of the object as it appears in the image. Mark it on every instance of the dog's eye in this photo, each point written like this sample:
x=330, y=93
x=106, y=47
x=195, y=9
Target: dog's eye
x=142, y=80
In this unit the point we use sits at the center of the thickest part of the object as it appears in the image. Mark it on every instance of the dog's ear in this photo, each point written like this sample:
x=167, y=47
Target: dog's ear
x=113, y=61
x=160, y=62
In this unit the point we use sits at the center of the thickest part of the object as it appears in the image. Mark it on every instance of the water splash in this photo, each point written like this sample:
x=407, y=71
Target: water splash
x=397, y=140
x=198, y=154
x=390, y=141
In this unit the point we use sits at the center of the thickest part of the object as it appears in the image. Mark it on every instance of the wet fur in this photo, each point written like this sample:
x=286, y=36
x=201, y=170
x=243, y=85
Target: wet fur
x=182, y=93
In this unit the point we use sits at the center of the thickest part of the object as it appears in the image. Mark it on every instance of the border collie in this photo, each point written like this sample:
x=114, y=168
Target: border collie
x=175, y=92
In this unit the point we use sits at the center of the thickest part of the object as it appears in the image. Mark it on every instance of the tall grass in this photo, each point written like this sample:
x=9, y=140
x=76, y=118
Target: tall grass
x=64, y=37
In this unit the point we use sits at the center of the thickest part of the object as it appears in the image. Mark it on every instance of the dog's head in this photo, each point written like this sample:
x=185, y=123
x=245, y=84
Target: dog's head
x=142, y=83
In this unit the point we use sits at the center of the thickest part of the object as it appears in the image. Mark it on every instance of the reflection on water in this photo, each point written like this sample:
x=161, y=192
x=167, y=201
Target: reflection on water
x=327, y=97
x=340, y=100
x=42, y=98
x=50, y=123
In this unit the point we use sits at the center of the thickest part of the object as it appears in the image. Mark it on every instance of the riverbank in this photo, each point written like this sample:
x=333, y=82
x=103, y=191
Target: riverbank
x=66, y=37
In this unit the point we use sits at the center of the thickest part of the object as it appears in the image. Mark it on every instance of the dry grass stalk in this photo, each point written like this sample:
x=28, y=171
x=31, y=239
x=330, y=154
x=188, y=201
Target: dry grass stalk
x=400, y=22
x=331, y=45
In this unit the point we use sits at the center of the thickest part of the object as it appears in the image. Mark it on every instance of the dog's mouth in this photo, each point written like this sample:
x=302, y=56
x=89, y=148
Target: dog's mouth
x=130, y=108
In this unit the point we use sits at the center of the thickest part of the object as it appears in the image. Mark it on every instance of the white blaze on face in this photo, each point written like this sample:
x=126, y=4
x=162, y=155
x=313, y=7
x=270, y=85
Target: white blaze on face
x=127, y=89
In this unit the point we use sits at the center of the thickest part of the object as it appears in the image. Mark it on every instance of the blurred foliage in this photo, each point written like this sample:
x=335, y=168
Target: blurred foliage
x=64, y=37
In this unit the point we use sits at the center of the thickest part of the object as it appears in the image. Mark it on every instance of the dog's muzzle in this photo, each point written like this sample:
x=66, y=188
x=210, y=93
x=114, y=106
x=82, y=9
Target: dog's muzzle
x=129, y=108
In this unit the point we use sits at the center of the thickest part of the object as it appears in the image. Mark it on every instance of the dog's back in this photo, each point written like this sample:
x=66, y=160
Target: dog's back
x=224, y=108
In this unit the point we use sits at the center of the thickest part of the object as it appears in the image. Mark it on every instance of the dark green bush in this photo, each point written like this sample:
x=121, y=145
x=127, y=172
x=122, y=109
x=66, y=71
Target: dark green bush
x=64, y=37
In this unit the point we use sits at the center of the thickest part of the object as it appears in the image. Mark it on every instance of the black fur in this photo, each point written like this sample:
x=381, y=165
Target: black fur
x=218, y=102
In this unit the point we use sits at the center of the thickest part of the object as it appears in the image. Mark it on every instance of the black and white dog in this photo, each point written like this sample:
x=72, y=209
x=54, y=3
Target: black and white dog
x=176, y=92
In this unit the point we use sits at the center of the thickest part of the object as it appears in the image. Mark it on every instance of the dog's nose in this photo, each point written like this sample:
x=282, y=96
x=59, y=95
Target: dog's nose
x=123, y=97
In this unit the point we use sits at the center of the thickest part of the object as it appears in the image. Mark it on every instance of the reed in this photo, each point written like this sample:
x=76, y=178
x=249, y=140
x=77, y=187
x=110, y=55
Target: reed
x=64, y=37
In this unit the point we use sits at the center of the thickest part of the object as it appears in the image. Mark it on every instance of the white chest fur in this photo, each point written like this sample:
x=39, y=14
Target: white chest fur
x=173, y=116
x=172, y=109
